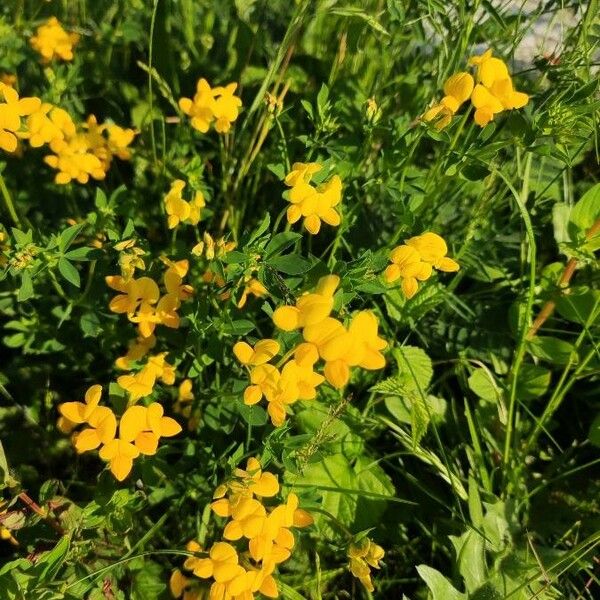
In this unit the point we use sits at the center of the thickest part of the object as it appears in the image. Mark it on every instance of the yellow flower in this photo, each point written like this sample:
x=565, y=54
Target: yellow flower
x=178, y=209
x=503, y=90
x=219, y=105
x=179, y=586
x=301, y=173
x=11, y=111
x=119, y=138
x=364, y=555
x=119, y=454
x=414, y=261
x=486, y=105
x=52, y=41
x=221, y=564
x=137, y=349
x=212, y=249
x=263, y=352
x=311, y=308
x=252, y=287
x=458, y=90
x=433, y=249
x=101, y=420
x=489, y=69
x=144, y=426
x=226, y=108
x=201, y=108
x=313, y=204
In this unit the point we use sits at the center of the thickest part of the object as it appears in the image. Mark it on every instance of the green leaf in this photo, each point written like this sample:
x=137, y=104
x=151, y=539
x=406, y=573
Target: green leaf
x=26, y=288
x=69, y=272
x=21, y=237
x=439, y=586
x=281, y=242
x=148, y=582
x=551, y=349
x=264, y=225
x=360, y=14
x=594, y=434
x=68, y=235
x=50, y=562
x=415, y=367
x=533, y=382
x=560, y=220
x=587, y=211
x=238, y=327
x=90, y=325
x=290, y=264
x=253, y=415
x=84, y=253
x=579, y=305
x=484, y=385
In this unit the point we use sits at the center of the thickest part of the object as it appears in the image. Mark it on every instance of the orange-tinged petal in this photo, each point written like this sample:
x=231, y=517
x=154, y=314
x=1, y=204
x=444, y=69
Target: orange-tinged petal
x=133, y=422
x=287, y=318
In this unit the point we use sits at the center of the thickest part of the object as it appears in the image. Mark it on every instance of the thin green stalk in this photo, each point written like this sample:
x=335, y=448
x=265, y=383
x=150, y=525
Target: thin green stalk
x=8, y=201
x=520, y=199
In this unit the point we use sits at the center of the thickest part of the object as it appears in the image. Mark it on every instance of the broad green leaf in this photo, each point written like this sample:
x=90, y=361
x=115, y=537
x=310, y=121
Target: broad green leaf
x=470, y=558
x=483, y=384
x=68, y=235
x=587, y=210
x=69, y=272
x=415, y=367
x=551, y=349
x=84, y=253
x=533, y=382
x=290, y=264
x=253, y=415
x=26, y=288
x=281, y=242
x=439, y=586
x=238, y=327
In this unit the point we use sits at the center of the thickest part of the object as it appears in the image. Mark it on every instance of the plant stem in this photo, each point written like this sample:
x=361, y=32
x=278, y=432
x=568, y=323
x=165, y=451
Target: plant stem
x=9, y=202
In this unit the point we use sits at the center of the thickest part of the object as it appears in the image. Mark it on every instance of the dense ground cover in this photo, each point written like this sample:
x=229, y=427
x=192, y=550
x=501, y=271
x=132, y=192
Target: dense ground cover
x=299, y=299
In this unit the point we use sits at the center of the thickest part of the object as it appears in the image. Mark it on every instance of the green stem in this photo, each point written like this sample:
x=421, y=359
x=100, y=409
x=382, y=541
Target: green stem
x=8, y=201
x=520, y=199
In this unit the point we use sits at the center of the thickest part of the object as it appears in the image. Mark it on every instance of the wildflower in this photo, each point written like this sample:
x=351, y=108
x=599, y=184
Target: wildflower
x=101, y=420
x=301, y=173
x=180, y=586
x=178, y=209
x=119, y=139
x=137, y=349
x=226, y=108
x=342, y=349
x=52, y=41
x=313, y=204
x=310, y=308
x=252, y=287
x=183, y=405
x=144, y=426
x=11, y=111
x=211, y=248
x=373, y=112
x=142, y=383
x=414, y=261
x=457, y=90
x=44, y=125
x=263, y=352
x=363, y=556
x=119, y=454
x=219, y=105
x=489, y=69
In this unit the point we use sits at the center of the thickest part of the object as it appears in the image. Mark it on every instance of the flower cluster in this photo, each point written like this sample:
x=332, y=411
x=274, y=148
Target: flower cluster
x=78, y=152
x=139, y=430
x=217, y=104
x=211, y=248
x=85, y=151
x=239, y=574
x=180, y=210
x=52, y=41
x=313, y=204
x=12, y=109
x=491, y=92
x=364, y=555
x=143, y=303
x=415, y=260
x=324, y=337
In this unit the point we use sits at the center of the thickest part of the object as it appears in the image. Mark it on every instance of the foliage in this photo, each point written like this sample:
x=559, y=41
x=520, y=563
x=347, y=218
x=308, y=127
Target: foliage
x=299, y=298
